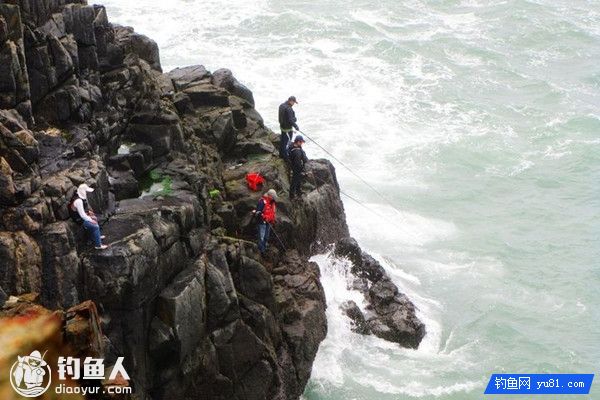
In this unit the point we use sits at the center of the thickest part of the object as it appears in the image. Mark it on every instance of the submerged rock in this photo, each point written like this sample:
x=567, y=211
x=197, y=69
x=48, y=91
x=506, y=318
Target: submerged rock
x=359, y=323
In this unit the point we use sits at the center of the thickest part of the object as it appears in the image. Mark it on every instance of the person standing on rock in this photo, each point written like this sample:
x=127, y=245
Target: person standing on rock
x=266, y=210
x=287, y=121
x=81, y=213
x=298, y=162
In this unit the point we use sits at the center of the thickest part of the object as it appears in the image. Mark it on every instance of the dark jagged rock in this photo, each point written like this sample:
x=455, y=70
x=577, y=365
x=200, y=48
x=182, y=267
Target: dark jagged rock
x=188, y=76
x=390, y=314
x=20, y=263
x=256, y=283
x=182, y=292
x=225, y=79
x=14, y=79
x=140, y=45
x=60, y=264
x=125, y=186
x=161, y=138
x=322, y=207
x=207, y=95
x=181, y=307
x=359, y=323
x=300, y=299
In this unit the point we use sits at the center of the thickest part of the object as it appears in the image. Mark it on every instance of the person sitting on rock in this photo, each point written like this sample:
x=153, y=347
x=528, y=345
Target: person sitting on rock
x=81, y=213
x=265, y=211
x=287, y=121
x=298, y=162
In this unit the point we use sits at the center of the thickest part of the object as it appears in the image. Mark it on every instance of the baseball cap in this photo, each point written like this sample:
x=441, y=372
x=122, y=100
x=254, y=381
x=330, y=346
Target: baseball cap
x=272, y=193
x=83, y=190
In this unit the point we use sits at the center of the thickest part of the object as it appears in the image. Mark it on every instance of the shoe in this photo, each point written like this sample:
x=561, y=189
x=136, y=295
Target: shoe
x=102, y=237
x=102, y=247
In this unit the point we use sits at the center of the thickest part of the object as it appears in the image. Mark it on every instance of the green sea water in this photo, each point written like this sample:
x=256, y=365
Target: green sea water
x=479, y=122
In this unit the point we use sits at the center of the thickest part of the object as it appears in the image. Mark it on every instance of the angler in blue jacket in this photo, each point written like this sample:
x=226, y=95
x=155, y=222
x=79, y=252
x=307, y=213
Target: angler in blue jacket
x=287, y=121
x=298, y=161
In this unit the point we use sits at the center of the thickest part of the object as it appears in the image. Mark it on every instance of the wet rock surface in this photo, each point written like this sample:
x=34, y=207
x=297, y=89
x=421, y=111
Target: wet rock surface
x=389, y=314
x=359, y=323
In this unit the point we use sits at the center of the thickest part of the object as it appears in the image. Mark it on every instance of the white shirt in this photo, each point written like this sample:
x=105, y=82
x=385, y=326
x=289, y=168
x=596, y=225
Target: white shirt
x=78, y=203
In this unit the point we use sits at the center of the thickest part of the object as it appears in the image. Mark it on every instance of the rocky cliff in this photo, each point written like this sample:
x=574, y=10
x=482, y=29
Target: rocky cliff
x=181, y=292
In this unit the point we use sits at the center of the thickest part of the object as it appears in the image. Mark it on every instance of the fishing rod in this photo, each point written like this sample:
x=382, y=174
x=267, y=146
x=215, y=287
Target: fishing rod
x=277, y=236
x=352, y=172
x=253, y=218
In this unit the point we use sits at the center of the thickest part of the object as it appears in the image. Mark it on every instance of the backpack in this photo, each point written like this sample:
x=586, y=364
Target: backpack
x=288, y=150
x=255, y=181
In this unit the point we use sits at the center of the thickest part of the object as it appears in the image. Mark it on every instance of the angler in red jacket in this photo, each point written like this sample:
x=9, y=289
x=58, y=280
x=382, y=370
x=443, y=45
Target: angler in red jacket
x=265, y=211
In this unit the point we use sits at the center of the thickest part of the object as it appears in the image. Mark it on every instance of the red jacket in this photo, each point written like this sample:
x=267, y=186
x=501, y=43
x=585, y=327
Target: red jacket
x=267, y=207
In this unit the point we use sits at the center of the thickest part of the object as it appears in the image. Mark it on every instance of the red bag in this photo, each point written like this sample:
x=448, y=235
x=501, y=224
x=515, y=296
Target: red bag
x=255, y=181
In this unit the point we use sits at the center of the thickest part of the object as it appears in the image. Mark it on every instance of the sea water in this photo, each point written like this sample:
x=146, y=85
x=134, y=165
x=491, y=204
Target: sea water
x=479, y=123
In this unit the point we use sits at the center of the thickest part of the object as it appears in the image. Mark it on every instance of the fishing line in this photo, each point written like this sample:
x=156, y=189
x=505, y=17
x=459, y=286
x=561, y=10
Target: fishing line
x=348, y=196
x=352, y=172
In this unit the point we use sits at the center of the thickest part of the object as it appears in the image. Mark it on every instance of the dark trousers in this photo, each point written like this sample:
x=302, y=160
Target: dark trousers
x=296, y=184
x=264, y=230
x=285, y=140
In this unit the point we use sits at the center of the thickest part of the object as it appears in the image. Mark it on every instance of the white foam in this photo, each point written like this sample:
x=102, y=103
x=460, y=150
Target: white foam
x=377, y=356
x=393, y=226
x=335, y=279
x=524, y=165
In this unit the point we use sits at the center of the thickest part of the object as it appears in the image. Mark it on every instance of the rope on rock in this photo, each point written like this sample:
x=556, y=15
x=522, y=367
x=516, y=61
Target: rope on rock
x=234, y=239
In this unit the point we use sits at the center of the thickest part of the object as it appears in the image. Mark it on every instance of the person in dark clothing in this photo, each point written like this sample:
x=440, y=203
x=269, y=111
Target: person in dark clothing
x=287, y=121
x=298, y=161
x=266, y=210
